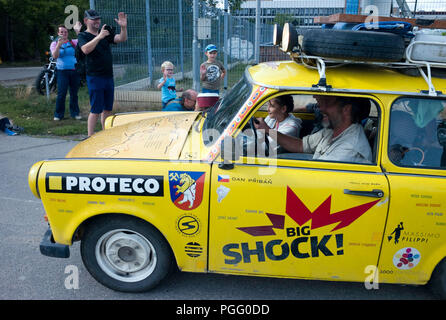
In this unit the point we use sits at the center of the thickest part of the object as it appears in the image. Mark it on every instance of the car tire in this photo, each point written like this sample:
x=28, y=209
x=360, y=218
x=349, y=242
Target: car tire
x=437, y=283
x=125, y=253
x=355, y=45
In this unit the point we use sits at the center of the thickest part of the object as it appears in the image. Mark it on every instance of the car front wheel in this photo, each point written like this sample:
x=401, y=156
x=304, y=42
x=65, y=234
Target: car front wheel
x=125, y=253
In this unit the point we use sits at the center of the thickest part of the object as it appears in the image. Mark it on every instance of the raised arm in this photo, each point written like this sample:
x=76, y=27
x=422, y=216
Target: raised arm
x=122, y=21
x=91, y=45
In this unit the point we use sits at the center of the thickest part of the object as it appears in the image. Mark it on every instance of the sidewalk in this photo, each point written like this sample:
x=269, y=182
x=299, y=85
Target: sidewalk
x=18, y=76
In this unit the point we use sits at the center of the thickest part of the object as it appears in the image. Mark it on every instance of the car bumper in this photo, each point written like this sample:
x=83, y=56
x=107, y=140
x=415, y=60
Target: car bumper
x=51, y=249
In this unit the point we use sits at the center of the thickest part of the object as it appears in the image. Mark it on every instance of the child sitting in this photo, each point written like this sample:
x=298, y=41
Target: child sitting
x=167, y=83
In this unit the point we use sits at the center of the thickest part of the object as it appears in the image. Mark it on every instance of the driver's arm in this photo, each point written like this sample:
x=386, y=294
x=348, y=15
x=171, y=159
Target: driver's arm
x=290, y=143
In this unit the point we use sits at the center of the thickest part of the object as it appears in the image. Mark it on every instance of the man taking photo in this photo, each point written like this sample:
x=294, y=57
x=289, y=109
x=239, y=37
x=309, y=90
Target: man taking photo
x=95, y=44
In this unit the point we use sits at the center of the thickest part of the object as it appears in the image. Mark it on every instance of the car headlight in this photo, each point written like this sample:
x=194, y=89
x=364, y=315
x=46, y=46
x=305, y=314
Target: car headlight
x=32, y=178
x=277, y=35
x=289, y=37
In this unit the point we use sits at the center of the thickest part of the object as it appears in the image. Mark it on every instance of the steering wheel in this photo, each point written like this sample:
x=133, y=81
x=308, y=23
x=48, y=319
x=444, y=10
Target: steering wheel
x=415, y=150
x=254, y=130
x=253, y=121
x=399, y=152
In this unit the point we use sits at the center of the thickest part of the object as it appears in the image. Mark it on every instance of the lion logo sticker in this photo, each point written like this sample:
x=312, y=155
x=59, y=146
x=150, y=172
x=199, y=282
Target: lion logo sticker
x=186, y=188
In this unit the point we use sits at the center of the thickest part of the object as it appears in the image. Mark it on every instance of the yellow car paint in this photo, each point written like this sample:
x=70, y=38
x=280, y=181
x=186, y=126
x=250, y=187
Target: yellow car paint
x=266, y=217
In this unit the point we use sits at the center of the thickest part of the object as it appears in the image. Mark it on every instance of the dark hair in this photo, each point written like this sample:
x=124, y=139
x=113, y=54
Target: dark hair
x=286, y=100
x=360, y=107
x=186, y=95
x=61, y=26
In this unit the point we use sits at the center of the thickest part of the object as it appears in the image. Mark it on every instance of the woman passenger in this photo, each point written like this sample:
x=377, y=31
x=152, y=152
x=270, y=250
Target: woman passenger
x=280, y=117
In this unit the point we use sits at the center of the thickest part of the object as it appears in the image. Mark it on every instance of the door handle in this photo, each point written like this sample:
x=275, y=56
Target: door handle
x=375, y=193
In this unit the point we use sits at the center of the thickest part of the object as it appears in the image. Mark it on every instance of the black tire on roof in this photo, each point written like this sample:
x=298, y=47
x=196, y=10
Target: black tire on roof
x=355, y=45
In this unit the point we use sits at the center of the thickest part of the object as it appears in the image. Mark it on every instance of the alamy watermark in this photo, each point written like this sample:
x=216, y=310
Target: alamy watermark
x=371, y=281
x=72, y=280
x=372, y=20
x=73, y=16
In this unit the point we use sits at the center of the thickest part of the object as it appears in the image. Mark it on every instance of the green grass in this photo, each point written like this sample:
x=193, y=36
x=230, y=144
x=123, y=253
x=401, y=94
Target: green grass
x=33, y=112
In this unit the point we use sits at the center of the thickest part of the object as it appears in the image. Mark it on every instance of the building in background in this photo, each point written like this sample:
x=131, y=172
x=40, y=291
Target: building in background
x=431, y=15
x=302, y=12
x=298, y=12
x=163, y=30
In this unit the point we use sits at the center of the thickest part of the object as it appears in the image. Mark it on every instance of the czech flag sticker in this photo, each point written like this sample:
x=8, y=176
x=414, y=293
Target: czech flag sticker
x=223, y=178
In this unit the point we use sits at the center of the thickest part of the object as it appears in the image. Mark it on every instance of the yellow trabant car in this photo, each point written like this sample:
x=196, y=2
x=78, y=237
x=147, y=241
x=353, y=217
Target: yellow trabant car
x=209, y=192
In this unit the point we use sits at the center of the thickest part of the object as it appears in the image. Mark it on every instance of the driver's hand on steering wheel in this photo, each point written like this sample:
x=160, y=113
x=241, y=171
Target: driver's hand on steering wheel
x=260, y=123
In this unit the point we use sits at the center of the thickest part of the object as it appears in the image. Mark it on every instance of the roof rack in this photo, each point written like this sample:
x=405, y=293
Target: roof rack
x=427, y=55
x=322, y=63
x=427, y=64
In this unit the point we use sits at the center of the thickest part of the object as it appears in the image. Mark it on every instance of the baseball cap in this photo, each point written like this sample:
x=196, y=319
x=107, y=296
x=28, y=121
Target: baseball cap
x=211, y=47
x=91, y=14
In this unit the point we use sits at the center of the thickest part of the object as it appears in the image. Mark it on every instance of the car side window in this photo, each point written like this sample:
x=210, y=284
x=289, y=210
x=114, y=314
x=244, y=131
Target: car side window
x=354, y=119
x=305, y=108
x=417, y=134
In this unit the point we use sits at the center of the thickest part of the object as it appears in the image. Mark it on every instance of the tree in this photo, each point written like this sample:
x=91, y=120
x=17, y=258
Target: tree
x=232, y=4
x=282, y=18
x=26, y=25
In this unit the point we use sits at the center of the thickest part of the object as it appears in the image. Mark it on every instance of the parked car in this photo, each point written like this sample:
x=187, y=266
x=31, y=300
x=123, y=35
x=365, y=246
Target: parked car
x=154, y=191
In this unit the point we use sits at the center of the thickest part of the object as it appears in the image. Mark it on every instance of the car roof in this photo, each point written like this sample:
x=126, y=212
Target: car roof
x=355, y=78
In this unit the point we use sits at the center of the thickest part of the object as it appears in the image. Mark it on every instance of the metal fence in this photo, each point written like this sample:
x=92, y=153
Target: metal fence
x=163, y=30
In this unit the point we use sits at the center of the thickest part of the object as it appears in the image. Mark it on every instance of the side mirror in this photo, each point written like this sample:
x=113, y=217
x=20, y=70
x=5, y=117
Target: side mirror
x=230, y=152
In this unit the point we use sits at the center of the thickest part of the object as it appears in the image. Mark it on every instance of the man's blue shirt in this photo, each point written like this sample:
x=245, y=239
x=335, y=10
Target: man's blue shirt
x=175, y=105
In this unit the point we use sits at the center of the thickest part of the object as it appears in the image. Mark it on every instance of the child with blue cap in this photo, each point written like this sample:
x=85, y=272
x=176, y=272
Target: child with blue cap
x=212, y=71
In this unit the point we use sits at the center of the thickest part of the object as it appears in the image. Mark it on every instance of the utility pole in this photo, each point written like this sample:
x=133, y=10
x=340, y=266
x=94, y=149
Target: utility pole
x=180, y=23
x=226, y=42
x=149, y=44
x=195, y=53
x=257, y=35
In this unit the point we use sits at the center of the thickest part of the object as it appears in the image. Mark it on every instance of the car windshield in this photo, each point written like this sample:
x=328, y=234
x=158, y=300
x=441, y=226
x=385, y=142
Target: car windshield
x=221, y=114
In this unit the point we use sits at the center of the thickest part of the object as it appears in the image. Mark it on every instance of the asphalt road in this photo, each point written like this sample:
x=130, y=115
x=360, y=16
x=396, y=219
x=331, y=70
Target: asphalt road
x=26, y=274
x=26, y=76
x=18, y=76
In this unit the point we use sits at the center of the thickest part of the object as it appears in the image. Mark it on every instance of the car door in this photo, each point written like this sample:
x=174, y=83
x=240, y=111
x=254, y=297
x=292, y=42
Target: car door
x=296, y=218
x=414, y=158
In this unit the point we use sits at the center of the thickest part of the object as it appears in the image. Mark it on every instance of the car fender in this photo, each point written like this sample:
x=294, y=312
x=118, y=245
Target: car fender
x=74, y=227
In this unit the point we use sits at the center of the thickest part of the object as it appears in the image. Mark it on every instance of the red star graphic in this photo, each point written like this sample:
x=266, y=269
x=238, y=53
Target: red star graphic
x=320, y=217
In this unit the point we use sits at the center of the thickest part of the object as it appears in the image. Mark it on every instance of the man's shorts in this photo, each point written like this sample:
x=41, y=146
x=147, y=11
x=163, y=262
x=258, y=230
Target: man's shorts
x=101, y=91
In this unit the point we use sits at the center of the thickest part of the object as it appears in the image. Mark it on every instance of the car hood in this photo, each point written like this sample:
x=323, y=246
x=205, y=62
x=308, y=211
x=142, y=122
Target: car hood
x=159, y=137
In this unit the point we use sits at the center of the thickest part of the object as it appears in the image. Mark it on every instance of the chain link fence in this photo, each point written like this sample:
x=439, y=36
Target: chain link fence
x=163, y=30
